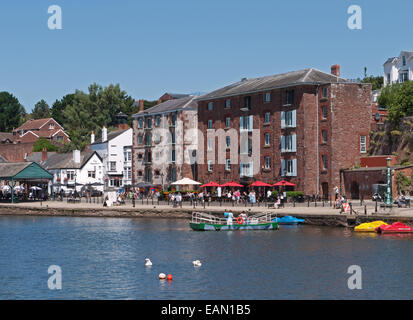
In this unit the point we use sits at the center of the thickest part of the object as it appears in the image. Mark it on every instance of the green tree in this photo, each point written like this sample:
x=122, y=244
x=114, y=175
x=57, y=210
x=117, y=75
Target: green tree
x=44, y=143
x=58, y=107
x=41, y=110
x=376, y=82
x=11, y=112
x=399, y=100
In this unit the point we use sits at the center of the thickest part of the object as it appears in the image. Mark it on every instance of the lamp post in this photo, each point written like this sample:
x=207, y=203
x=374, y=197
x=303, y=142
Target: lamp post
x=389, y=197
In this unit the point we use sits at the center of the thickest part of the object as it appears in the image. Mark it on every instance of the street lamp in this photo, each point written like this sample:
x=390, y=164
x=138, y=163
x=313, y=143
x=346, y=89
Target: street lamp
x=389, y=197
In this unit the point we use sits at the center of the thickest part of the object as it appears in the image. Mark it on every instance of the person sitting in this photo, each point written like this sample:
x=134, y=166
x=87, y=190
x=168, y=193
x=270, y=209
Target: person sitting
x=278, y=203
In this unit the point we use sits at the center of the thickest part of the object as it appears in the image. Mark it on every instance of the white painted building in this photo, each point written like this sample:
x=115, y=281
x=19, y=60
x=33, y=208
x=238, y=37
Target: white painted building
x=115, y=150
x=399, y=69
x=75, y=170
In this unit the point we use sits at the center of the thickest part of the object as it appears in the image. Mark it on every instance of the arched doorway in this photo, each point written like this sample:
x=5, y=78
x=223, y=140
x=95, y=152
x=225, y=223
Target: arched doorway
x=324, y=187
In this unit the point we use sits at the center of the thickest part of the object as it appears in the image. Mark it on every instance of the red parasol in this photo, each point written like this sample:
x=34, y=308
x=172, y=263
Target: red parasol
x=210, y=184
x=260, y=184
x=284, y=183
x=231, y=184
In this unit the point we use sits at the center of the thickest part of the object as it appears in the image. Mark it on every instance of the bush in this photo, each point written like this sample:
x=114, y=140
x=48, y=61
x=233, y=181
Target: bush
x=295, y=194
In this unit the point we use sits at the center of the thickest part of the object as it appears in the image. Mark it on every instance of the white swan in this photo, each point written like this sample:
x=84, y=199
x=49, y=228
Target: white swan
x=197, y=263
x=162, y=276
x=148, y=262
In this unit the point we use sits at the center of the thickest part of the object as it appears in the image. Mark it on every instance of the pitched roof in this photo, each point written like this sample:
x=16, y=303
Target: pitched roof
x=187, y=103
x=307, y=76
x=37, y=156
x=6, y=136
x=111, y=135
x=33, y=124
x=177, y=95
x=65, y=160
x=10, y=169
x=23, y=170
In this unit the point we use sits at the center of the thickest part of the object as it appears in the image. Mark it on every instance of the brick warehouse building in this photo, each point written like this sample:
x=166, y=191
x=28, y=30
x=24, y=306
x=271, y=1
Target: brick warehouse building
x=310, y=125
x=165, y=142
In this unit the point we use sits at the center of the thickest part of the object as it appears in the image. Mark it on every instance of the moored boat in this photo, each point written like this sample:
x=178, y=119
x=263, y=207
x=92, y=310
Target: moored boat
x=369, y=226
x=396, y=227
x=289, y=220
x=207, y=222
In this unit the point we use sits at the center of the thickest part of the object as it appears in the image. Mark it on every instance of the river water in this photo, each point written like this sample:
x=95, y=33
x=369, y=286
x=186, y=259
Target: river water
x=104, y=258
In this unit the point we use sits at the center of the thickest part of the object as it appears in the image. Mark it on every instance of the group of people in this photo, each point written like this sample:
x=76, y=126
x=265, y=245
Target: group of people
x=229, y=216
x=339, y=199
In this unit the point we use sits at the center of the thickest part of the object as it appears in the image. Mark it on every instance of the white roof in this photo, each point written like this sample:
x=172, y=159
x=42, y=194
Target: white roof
x=185, y=181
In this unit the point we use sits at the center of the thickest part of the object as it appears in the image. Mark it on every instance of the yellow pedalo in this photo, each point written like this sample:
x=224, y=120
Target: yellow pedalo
x=370, y=226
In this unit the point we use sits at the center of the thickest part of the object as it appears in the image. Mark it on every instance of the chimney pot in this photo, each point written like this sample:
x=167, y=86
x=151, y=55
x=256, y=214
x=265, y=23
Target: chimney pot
x=104, y=134
x=92, y=137
x=141, y=105
x=335, y=70
x=44, y=154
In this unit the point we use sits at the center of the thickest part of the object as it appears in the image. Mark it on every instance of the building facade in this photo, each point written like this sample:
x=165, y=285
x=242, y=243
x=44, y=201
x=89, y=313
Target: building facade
x=301, y=126
x=399, y=69
x=75, y=170
x=165, y=142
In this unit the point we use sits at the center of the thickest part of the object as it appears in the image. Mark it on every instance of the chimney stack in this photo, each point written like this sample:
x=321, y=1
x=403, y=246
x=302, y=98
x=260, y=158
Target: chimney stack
x=104, y=134
x=335, y=70
x=92, y=137
x=44, y=154
x=141, y=105
x=76, y=156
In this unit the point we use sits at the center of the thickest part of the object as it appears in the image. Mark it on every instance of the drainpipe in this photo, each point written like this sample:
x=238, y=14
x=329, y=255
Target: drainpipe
x=317, y=142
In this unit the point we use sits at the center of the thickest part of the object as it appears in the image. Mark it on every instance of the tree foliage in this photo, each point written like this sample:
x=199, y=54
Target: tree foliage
x=11, y=112
x=398, y=98
x=44, y=143
x=41, y=110
x=376, y=82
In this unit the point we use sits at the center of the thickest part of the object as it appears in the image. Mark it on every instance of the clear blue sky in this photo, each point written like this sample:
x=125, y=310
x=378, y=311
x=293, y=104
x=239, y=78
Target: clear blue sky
x=185, y=46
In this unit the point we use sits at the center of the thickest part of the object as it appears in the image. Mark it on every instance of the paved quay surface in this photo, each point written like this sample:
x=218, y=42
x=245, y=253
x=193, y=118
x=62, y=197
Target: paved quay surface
x=317, y=215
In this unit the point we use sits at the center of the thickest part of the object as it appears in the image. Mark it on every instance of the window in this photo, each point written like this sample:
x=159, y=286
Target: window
x=228, y=103
x=173, y=174
x=388, y=78
x=246, y=123
x=148, y=175
x=148, y=139
x=289, y=167
x=246, y=169
x=157, y=121
x=173, y=137
x=404, y=77
x=228, y=164
x=173, y=156
x=289, y=143
x=267, y=162
x=267, y=97
x=289, y=97
x=324, y=136
x=140, y=173
x=91, y=174
x=228, y=141
x=404, y=60
x=51, y=126
x=324, y=112
x=209, y=124
x=363, y=144
x=227, y=122
x=157, y=173
x=140, y=156
x=288, y=119
x=209, y=144
x=149, y=123
x=210, y=106
x=209, y=165
x=140, y=123
x=267, y=138
x=149, y=157
x=127, y=155
x=267, y=117
x=324, y=92
x=112, y=166
x=140, y=139
x=325, y=162
x=247, y=103
x=70, y=175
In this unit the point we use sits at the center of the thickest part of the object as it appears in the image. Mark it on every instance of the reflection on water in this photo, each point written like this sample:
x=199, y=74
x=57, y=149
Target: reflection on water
x=104, y=258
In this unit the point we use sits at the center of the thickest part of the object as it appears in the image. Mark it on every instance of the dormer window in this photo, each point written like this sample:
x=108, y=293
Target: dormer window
x=51, y=126
x=404, y=60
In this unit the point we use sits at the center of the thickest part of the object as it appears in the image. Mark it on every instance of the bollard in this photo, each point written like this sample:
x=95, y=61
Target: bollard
x=294, y=202
x=365, y=210
x=308, y=202
x=351, y=209
x=323, y=202
x=315, y=204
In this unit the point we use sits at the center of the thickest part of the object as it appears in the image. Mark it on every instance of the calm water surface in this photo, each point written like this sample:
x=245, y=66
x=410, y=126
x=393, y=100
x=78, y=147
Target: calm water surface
x=103, y=258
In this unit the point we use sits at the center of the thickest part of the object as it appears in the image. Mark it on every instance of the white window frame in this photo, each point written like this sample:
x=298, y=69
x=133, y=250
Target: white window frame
x=267, y=117
x=228, y=103
x=267, y=135
x=363, y=144
x=267, y=97
x=210, y=106
x=228, y=164
x=227, y=122
x=209, y=165
x=267, y=162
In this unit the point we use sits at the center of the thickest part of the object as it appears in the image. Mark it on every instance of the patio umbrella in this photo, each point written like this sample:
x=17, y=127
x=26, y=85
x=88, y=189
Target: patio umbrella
x=284, y=183
x=231, y=184
x=185, y=182
x=260, y=184
x=210, y=184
